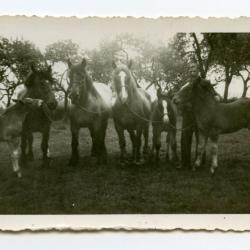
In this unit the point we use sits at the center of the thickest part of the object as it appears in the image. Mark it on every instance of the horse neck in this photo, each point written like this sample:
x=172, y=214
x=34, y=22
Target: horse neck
x=90, y=90
x=17, y=110
x=133, y=93
x=203, y=105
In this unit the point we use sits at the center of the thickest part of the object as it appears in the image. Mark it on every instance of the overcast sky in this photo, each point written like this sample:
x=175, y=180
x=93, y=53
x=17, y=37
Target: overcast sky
x=86, y=32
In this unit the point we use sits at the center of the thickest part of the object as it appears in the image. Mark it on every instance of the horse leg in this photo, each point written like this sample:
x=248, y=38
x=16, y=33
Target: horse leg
x=202, y=142
x=173, y=146
x=133, y=140
x=23, y=147
x=94, y=152
x=204, y=156
x=101, y=140
x=74, y=146
x=156, y=142
x=139, y=131
x=145, y=134
x=168, y=147
x=45, y=147
x=15, y=155
x=214, y=153
x=122, y=142
x=30, y=155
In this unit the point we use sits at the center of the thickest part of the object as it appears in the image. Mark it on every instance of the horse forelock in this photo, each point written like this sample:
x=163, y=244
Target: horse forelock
x=123, y=71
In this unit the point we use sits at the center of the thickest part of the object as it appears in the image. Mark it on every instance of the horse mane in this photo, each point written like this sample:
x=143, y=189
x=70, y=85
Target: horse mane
x=10, y=109
x=90, y=85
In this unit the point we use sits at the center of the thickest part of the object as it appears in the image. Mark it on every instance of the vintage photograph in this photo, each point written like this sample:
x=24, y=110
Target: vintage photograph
x=122, y=116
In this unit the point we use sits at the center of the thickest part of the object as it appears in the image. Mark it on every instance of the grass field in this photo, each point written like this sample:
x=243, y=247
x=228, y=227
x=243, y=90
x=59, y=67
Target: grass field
x=91, y=189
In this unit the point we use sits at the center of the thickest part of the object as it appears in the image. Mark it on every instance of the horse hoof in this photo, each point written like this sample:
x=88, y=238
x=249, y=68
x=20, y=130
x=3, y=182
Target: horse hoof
x=30, y=157
x=19, y=174
x=194, y=168
x=122, y=163
x=212, y=171
x=178, y=166
x=46, y=163
x=73, y=162
x=138, y=163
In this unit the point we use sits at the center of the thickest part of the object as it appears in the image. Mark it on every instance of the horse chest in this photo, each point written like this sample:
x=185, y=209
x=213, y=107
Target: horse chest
x=10, y=130
x=126, y=120
x=84, y=118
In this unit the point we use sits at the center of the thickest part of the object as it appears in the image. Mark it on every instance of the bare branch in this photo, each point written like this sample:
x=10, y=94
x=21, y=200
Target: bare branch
x=198, y=53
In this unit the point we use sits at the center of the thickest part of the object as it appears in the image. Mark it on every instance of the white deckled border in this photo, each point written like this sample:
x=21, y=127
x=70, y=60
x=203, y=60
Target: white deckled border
x=17, y=223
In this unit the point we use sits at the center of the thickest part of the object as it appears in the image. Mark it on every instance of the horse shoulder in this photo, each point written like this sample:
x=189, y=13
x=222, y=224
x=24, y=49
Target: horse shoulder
x=145, y=98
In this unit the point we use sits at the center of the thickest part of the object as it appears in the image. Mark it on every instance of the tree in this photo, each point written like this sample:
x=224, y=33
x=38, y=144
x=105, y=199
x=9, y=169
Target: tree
x=226, y=49
x=59, y=53
x=16, y=56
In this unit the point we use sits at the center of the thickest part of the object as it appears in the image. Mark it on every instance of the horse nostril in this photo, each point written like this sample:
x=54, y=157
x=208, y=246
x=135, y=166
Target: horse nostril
x=175, y=100
x=52, y=105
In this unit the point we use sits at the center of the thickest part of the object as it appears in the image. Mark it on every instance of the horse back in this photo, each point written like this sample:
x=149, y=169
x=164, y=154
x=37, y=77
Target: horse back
x=146, y=100
x=105, y=95
x=11, y=124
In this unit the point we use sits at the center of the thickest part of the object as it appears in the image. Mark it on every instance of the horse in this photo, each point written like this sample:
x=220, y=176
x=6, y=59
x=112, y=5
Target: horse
x=131, y=111
x=164, y=116
x=91, y=108
x=212, y=117
x=38, y=84
x=11, y=127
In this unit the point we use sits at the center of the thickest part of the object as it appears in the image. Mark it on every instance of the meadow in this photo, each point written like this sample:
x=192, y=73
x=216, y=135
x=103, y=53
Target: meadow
x=130, y=189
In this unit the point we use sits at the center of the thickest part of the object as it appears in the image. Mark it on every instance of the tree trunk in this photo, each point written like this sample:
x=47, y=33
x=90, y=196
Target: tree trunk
x=66, y=102
x=225, y=97
x=228, y=80
x=245, y=88
x=9, y=96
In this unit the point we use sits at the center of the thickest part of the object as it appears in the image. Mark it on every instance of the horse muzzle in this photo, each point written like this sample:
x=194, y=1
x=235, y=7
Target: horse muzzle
x=52, y=105
x=176, y=100
x=165, y=119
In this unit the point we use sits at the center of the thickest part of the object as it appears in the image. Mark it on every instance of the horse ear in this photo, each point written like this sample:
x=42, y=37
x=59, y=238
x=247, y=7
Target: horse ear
x=49, y=69
x=204, y=82
x=114, y=66
x=18, y=101
x=32, y=68
x=69, y=63
x=159, y=93
x=84, y=62
x=130, y=64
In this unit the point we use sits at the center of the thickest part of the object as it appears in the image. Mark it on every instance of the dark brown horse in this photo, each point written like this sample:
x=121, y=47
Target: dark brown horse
x=92, y=106
x=38, y=85
x=11, y=127
x=212, y=117
x=164, y=117
x=131, y=111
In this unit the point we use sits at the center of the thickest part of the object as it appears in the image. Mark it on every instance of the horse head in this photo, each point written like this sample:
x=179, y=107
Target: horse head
x=123, y=81
x=39, y=86
x=200, y=88
x=163, y=105
x=79, y=80
x=29, y=103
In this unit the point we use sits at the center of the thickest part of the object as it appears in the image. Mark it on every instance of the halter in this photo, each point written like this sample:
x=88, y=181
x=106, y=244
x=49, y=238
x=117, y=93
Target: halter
x=47, y=112
x=86, y=110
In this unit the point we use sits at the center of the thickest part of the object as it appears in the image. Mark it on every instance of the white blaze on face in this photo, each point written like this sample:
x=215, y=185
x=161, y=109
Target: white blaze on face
x=124, y=94
x=48, y=153
x=165, y=111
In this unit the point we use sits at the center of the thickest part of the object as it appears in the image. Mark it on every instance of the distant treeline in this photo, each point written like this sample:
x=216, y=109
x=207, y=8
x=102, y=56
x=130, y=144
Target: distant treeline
x=226, y=55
